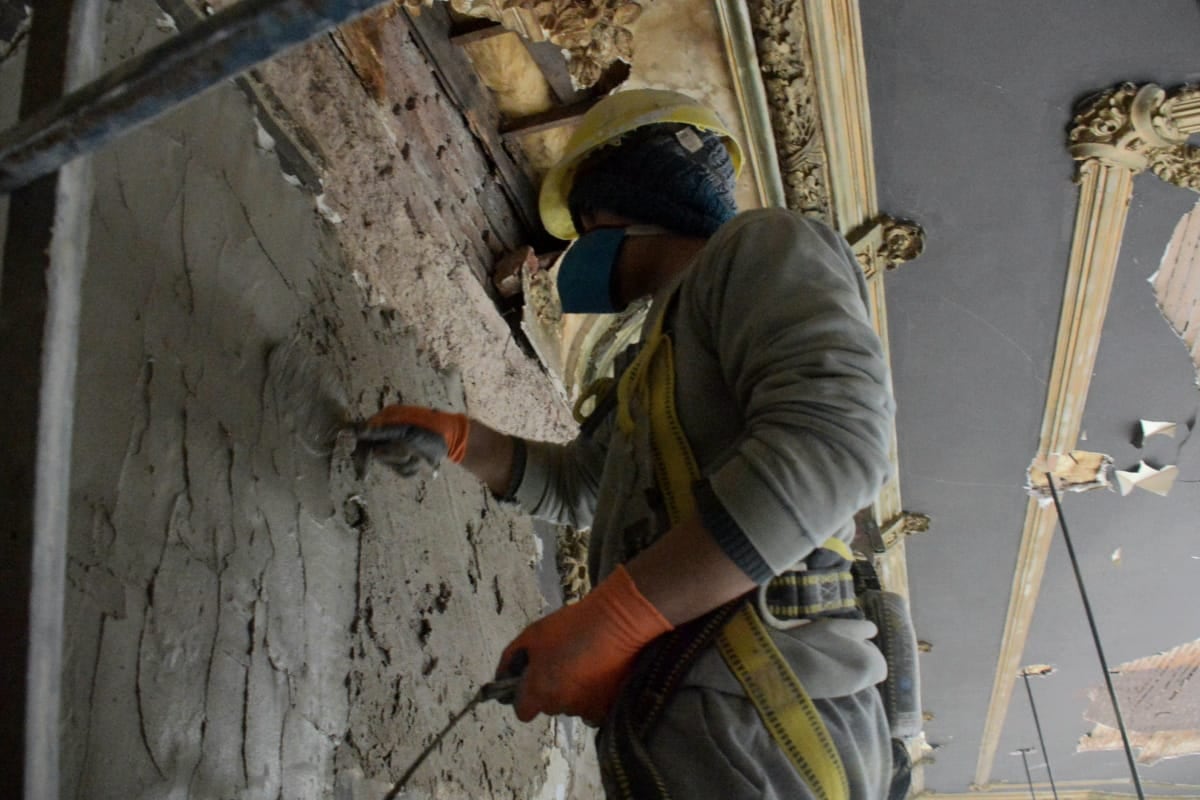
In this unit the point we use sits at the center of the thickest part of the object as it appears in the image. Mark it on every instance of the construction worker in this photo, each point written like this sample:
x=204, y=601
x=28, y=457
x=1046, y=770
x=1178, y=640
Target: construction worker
x=720, y=653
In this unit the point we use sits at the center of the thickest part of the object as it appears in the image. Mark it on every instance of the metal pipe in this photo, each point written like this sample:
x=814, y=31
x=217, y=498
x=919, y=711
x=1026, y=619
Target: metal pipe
x=1087, y=608
x=153, y=83
x=738, y=32
x=1025, y=751
x=1037, y=724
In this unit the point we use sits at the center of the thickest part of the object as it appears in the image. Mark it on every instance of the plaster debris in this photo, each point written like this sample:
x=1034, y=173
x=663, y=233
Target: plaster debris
x=539, y=551
x=166, y=23
x=507, y=274
x=327, y=211
x=264, y=140
x=1148, y=428
x=1076, y=471
x=1144, y=476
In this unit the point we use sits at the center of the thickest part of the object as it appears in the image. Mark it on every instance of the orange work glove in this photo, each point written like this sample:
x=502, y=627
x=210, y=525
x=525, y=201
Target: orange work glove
x=403, y=436
x=579, y=655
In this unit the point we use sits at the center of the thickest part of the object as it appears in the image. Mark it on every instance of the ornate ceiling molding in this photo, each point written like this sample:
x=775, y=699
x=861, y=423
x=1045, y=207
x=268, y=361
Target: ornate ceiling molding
x=1114, y=136
x=1139, y=128
x=785, y=61
x=885, y=244
x=835, y=40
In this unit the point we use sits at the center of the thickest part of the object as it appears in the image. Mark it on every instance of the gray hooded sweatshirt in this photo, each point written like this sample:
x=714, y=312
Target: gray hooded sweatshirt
x=783, y=391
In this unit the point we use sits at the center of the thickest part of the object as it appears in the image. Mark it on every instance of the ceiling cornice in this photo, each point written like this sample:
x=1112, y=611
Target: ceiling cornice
x=1114, y=136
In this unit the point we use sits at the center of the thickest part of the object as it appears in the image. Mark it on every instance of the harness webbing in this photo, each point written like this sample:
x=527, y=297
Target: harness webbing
x=743, y=641
x=784, y=707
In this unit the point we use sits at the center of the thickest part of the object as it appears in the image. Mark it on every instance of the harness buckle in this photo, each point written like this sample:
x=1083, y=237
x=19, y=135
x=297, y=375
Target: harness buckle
x=764, y=609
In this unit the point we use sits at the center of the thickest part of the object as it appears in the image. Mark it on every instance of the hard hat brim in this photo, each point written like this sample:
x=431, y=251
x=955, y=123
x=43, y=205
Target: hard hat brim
x=661, y=107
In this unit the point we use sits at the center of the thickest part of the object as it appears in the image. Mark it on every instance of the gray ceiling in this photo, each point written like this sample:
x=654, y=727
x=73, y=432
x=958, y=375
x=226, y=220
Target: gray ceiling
x=970, y=102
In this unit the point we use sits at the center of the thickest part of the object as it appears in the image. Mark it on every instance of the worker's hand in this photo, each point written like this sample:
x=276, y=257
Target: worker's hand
x=579, y=655
x=404, y=437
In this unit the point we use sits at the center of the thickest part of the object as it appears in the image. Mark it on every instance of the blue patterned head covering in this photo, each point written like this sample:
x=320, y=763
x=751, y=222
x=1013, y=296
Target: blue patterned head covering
x=670, y=174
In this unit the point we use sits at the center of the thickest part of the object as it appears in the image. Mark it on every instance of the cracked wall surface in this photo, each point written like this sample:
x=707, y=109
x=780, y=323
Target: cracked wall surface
x=245, y=617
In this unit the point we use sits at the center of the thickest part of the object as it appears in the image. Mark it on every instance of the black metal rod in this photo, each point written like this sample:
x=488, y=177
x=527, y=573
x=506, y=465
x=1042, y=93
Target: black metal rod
x=1037, y=724
x=1087, y=607
x=1028, y=775
x=220, y=47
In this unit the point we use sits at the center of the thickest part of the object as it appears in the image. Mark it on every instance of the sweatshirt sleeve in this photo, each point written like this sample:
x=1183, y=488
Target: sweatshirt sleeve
x=784, y=304
x=561, y=481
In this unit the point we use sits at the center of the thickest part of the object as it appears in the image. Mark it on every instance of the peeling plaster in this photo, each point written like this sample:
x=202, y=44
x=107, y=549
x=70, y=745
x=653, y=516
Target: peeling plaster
x=1177, y=284
x=1160, y=700
x=1148, y=428
x=1076, y=471
x=1151, y=479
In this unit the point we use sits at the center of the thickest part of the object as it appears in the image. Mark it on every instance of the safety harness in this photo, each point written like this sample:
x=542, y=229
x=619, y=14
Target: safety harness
x=736, y=629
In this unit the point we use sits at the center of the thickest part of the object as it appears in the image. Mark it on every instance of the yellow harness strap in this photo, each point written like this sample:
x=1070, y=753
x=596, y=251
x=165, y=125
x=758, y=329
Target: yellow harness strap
x=781, y=702
x=769, y=682
x=838, y=546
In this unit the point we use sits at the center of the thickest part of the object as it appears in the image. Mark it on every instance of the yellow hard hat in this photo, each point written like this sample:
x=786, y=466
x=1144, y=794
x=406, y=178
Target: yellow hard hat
x=605, y=123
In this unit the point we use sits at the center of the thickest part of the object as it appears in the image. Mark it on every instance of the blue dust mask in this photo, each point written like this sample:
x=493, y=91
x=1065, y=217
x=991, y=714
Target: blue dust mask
x=585, y=276
x=586, y=273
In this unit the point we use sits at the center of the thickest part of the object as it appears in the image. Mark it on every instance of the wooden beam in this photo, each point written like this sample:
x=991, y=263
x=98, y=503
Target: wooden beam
x=547, y=56
x=431, y=32
x=550, y=60
x=1105, y=190
x=475, y=30
x=547, y=120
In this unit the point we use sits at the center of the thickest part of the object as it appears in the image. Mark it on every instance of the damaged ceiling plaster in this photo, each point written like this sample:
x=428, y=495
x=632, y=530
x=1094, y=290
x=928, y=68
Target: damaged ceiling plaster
x=1160, y=701
x=1076, y=471
x=1177, y=284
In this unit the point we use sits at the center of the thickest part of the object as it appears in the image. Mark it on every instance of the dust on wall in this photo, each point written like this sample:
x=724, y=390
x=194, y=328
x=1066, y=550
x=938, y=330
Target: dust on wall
x=246, y=617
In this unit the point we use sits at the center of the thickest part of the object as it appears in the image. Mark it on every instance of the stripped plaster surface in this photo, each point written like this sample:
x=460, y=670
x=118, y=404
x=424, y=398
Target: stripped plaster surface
x=245, y=617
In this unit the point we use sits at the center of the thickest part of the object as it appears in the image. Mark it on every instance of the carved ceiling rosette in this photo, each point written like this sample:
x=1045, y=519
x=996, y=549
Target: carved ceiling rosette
x=786, y=63
x=1139, y=128
x=887, y=243
x=902, y=242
